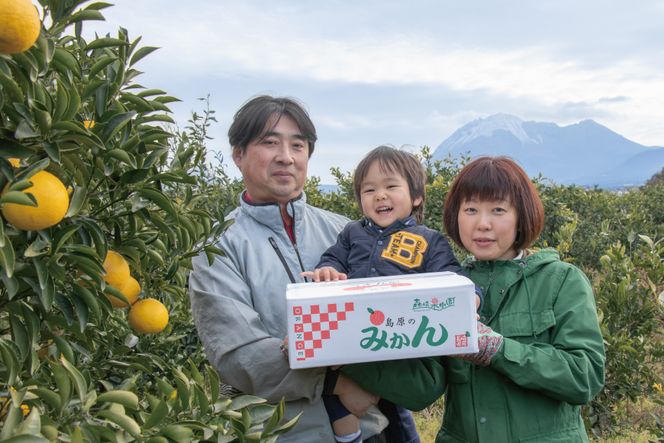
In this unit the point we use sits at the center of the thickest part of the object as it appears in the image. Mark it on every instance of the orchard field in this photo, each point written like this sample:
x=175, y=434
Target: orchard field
x=104, y=204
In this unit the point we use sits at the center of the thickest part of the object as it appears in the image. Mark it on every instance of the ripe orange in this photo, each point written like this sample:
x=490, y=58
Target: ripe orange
x=52, y=204
x=19, y=26
x=131, y=289
x=148, y=316
x=117, y=270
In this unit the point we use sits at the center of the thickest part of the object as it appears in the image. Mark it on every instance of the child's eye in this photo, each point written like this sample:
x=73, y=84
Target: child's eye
x=367, y=190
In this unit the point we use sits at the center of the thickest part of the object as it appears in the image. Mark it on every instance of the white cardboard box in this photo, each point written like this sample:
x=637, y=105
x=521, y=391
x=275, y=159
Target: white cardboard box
x=381, y=318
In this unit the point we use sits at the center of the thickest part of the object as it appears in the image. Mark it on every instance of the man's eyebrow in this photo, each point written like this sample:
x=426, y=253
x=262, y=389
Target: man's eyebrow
x=279, y=134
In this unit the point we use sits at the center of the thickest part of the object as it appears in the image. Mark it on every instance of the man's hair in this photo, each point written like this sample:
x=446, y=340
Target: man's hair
x=251, y=120
x=399, y=162
x=494, y=179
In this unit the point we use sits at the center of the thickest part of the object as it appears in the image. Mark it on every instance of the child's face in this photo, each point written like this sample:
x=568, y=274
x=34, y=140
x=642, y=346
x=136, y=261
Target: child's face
x=488, y=229
x=385, y=196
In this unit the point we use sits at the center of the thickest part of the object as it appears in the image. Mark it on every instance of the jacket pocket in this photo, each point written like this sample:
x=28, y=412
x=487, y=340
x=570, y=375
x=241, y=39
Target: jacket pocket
x=458, y=371
x=525, y=324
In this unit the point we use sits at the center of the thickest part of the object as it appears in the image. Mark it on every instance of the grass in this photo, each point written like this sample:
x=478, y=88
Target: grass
x=635, y=422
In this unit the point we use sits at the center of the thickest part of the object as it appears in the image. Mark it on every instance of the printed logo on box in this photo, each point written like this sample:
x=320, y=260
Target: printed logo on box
x=316, y=326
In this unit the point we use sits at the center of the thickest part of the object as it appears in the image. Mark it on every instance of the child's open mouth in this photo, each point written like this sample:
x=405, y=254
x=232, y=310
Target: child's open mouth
x=383, y=209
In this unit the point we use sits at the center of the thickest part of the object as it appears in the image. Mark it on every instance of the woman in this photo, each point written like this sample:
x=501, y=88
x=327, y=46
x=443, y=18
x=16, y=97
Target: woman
x=541, y=351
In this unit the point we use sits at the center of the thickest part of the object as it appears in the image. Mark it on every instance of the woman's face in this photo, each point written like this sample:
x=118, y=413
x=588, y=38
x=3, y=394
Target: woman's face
x=488, y=229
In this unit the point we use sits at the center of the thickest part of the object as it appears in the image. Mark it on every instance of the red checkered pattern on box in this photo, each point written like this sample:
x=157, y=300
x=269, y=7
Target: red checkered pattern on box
x=314, y=324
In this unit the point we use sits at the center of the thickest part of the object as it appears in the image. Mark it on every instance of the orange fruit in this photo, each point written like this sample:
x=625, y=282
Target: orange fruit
x=148, y=316
x=117, y=270
x=19, y=26
x=130, y=289
x=52, y=204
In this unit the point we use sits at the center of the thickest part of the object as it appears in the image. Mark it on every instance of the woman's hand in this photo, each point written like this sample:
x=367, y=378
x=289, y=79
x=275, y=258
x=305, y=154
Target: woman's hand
x=326, y=273
x=353, y=397
x=489, y=342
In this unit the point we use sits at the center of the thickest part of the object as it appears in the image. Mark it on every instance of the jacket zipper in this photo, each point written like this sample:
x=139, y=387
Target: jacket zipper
x=283, y=260
x=297, y=251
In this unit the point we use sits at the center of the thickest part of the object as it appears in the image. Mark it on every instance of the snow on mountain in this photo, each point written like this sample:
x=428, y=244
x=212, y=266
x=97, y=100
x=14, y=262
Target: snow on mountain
x=585, y=153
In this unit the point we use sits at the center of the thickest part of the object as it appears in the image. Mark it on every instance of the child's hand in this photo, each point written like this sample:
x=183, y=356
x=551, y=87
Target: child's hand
x=326, y=273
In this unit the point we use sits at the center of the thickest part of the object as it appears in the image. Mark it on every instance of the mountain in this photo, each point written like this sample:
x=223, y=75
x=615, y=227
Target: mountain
x=585, y=153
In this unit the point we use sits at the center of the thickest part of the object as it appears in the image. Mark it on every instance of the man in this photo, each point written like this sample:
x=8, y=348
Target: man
x=239, y=302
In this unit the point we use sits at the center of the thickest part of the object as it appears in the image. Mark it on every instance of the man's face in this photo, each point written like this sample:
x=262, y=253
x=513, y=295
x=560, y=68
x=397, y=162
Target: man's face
x=274, y=167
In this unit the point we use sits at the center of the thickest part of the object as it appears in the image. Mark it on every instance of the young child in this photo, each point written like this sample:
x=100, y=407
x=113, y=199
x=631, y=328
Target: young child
x=390, y=240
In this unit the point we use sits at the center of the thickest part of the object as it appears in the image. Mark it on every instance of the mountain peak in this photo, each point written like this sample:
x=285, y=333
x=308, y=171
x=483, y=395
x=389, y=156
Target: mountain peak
x=585, y=153
x=487, y=126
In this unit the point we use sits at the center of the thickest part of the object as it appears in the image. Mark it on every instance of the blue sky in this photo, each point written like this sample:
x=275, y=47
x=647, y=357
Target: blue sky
x=406, y=73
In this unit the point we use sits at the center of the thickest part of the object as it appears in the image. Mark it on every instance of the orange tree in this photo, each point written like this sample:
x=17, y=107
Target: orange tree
x=96, y=192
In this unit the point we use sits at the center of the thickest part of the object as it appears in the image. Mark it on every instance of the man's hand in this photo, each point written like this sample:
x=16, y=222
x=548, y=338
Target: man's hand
x=353, y=397
x=326, y=273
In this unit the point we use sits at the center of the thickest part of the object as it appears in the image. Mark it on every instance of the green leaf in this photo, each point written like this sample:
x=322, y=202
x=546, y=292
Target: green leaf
x=62, y=235
x=89, y=298
x=125, y=422
x=31, y=425
x=101, y=64
x=86, y=14
x=142, y=52
x=25, y=439
x=160, y=200
x=180, y=434
x=61, y=101
x=10, y=88
x=18, y=198
x=20, y=335
x=157, y=415
x=81, y=309
x=77, y=201
x=79, y=381
x=73, y=105
x=67, y=60
x=11, y=362
x=64, y=347
x=106, y=42
x=126, y=398
x=123, y=156
x=49, y=397
x=63, y=384
x=115, y=124
x=7, y=257
x=242, y=401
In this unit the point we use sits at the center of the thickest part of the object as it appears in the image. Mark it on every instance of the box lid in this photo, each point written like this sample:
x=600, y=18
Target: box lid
x=378, y=285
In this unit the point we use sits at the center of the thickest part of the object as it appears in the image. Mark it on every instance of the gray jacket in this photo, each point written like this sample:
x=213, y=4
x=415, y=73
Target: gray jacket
x=239, y=306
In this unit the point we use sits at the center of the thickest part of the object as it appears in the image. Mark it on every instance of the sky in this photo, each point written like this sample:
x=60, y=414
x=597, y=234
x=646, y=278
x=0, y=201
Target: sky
x=404, y=73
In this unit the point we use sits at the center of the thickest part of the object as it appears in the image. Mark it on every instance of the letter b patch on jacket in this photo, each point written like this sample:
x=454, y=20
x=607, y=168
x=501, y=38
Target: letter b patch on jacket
x=405, y=248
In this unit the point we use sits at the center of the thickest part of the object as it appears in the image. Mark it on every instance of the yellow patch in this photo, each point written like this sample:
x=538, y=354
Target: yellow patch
x=406, y=248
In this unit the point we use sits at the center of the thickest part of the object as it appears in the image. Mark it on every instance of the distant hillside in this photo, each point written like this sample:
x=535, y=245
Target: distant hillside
x=585, y=153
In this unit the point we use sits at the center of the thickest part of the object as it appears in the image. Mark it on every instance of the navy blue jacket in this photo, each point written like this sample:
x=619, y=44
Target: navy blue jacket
x=364, y=249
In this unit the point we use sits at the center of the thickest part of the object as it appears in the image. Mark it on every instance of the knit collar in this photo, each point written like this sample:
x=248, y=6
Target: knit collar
x=394, y=227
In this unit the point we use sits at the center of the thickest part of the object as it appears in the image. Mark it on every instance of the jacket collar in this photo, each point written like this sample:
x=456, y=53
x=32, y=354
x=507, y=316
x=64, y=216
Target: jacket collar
x=398, y=225
x=269, y=214
x=528, y=264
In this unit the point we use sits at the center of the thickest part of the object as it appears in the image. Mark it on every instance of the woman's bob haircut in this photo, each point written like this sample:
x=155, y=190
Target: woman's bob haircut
x=496, y=179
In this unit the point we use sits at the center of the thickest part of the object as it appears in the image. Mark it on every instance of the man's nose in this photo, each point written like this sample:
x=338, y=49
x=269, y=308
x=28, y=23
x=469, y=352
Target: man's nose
x=285, y=154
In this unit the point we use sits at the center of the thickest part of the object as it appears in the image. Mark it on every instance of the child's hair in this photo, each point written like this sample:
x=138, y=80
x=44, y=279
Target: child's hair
x=400, y=162
x=493, y=179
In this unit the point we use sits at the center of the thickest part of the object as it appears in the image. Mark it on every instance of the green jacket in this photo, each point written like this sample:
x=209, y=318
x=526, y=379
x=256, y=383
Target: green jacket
x=551, y=361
